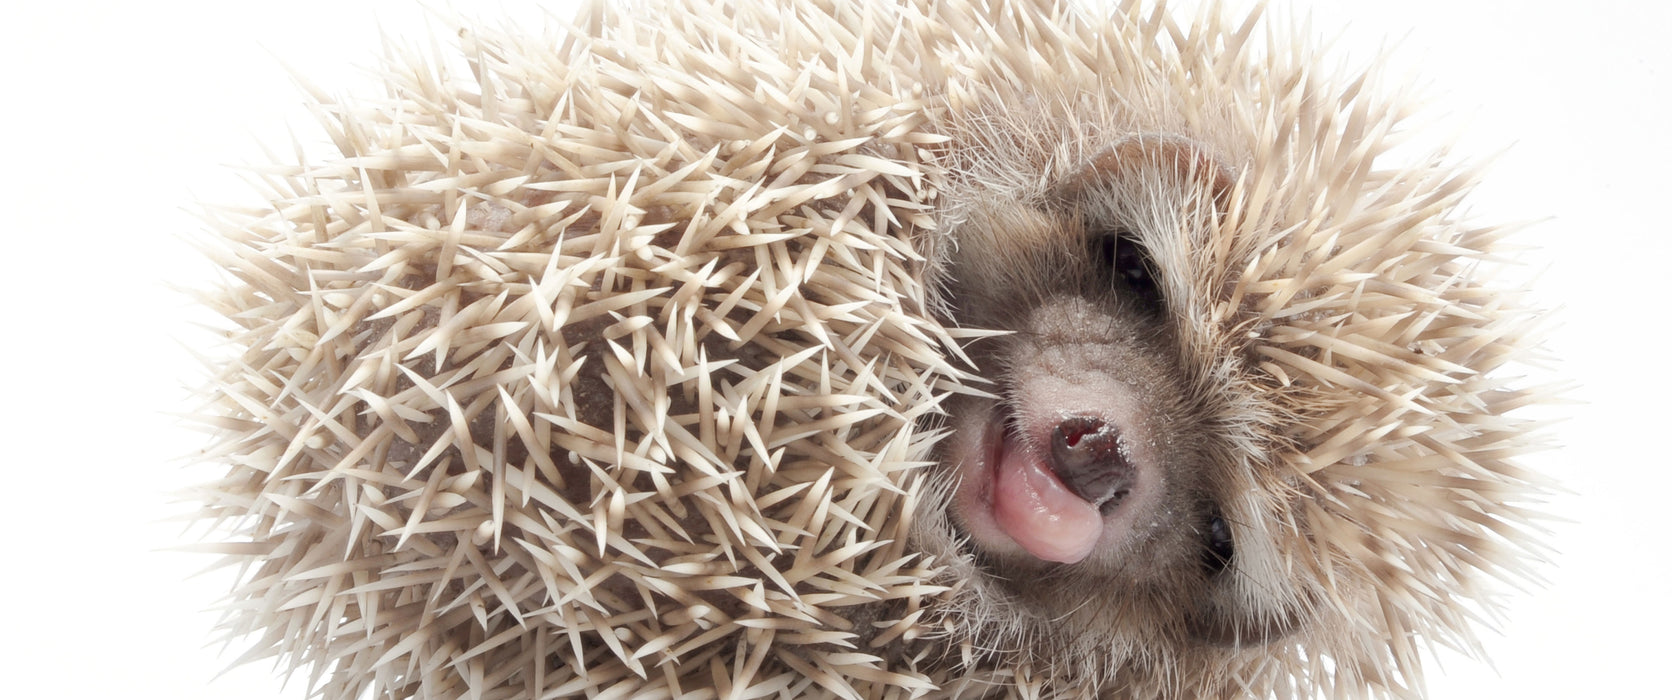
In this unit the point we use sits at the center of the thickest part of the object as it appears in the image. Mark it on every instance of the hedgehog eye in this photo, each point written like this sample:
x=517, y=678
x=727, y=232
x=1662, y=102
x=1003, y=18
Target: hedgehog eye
x=1220, y=547
x=1132, y=271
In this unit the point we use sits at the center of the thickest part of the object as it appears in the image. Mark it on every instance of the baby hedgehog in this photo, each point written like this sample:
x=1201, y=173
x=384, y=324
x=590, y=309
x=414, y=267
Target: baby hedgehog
x=868, y=349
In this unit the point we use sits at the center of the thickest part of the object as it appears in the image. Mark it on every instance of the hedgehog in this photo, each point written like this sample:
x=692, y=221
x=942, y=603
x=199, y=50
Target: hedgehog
x=933, y=348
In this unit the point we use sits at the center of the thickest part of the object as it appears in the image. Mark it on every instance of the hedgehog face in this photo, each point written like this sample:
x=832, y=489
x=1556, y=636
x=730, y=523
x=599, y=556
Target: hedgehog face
x=1096, y=493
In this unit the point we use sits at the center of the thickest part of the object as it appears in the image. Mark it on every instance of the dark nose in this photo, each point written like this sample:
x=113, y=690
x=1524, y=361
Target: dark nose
x=1087, y=454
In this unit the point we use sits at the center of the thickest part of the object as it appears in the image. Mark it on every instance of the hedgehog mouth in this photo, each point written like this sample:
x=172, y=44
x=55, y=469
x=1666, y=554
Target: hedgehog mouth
x=1050, y=496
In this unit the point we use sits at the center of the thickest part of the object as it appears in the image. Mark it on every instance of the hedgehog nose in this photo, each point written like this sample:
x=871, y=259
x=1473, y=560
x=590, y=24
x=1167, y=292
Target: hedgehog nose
x=1086, y=454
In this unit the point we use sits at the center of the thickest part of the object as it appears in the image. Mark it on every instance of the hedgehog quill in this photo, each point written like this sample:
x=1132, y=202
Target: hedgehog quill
x=874, y=350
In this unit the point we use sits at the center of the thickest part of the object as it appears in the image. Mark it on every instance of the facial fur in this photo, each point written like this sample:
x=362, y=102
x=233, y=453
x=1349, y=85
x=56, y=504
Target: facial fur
x=1276, y=334
x=1167, y=559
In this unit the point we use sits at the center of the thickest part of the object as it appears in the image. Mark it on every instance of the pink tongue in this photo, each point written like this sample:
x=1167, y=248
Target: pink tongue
x=1033, y=507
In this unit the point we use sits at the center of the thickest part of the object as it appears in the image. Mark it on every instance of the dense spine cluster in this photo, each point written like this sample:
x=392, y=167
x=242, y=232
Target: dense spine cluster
x=587, y=370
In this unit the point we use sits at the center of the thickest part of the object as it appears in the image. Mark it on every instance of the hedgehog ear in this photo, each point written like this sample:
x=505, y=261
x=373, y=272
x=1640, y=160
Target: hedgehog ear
x=1146, y=160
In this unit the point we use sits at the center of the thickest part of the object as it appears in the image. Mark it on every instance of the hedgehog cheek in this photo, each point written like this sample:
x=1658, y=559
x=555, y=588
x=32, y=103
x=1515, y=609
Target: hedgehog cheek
x=1247, y=601
x=1219, y=626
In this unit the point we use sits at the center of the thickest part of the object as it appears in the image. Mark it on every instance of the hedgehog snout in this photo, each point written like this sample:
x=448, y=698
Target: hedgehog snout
x=1088, y=456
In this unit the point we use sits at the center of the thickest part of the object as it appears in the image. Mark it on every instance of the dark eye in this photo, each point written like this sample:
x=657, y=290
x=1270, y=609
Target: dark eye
x=1220, y=547
x=1133, y=273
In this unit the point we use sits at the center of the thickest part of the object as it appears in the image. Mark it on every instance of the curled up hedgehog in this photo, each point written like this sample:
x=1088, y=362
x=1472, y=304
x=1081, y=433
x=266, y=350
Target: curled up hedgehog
x=868, y=349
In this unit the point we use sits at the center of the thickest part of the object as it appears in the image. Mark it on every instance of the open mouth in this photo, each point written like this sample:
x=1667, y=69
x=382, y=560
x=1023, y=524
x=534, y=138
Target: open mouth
x=1050, y=495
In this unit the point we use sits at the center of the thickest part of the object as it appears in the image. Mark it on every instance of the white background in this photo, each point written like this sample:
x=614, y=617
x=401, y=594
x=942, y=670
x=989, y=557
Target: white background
x=118, y=116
